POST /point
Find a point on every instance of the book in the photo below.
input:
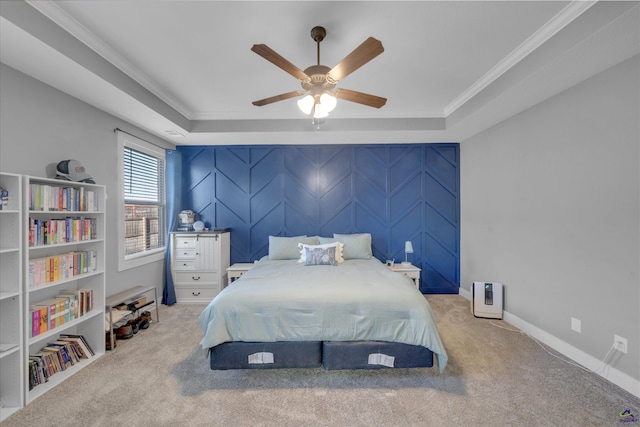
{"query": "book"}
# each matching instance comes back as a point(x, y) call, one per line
point(83, 342)
point(77, 347)
point(69, 349)
point(34, 321)
point(72, 299)
point(57, 357)
point(51, 306)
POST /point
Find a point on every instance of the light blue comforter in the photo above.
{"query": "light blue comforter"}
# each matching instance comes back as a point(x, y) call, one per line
point(353, 301)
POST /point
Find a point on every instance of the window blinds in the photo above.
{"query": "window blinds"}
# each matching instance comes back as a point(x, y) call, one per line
point(144, 201)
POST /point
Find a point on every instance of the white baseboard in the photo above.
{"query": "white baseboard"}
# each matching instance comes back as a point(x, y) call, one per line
point(611, 374)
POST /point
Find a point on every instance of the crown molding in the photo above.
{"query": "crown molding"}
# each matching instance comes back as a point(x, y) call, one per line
point(544, 33)
point(61, 18)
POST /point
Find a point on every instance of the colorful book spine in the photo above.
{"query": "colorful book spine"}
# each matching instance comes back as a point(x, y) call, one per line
point(35, 321)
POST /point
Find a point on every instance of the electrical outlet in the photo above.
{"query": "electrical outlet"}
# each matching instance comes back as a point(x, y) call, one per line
point(576, 325)
point(620, 343)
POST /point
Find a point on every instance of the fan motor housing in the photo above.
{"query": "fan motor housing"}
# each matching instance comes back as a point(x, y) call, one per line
point(318, 78)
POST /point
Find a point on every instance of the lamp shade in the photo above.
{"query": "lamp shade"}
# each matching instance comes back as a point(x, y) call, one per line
point(328, 102)
point(408, 247)
point(318, 106)
point(306, 104)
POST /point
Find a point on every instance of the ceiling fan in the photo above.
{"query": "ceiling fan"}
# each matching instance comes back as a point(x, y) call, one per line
point(319, 81)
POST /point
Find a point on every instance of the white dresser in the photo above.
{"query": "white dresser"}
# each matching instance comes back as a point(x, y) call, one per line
point(199, 261)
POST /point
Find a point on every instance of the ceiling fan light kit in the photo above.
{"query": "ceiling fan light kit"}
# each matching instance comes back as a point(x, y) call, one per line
point(319, 94)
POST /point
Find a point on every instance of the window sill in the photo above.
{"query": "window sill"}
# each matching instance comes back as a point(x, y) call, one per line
point(137, 260)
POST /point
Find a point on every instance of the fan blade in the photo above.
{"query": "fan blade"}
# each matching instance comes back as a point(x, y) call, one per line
point(361, 98)
point(364, 53)
point(277, 98)
point(272, 56)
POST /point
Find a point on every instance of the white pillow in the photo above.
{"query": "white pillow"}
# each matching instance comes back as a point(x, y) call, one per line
point(287, 247)
point(356, 246)
point(339, 247)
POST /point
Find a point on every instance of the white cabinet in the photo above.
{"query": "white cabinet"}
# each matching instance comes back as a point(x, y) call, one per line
point(64, 245)
point(199, 261)
point(11, 317)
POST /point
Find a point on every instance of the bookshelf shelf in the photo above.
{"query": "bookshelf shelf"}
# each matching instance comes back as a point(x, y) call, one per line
point(62, 282)
point(11, 297)
point(60, 377)
point(9, 350)
point(56, 213)
point(62, 329)
point(67, 244)
point(7, 295)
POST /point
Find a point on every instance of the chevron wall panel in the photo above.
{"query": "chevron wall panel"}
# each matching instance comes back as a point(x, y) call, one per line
point(395, 192)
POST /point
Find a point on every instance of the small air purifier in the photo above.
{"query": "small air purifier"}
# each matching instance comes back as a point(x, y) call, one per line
point(486, 300)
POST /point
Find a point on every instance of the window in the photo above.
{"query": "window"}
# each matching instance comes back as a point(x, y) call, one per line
point(142, 205)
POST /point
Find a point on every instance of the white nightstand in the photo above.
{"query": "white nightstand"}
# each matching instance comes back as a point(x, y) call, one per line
point(236, 270)
point(410, 271)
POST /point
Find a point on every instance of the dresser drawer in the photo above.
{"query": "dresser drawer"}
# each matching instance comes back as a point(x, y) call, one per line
point(195, 295)
point(185, 242)
point(192, 279)
point(185, 254)
point(184, 265)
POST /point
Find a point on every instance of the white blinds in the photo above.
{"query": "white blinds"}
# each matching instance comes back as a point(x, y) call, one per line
point(143, 177)
point(144, 181)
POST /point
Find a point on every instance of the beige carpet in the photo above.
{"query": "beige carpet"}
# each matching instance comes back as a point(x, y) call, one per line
point(495, 377)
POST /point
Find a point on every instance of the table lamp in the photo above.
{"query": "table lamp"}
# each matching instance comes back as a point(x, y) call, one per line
point(408, 249)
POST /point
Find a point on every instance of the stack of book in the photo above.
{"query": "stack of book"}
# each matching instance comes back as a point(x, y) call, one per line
point(58, 355)
point(67, 306)
point(61, 230)
point(44, 197)
point(61, 267)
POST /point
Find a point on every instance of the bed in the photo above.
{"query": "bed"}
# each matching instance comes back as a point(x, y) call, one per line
point(313, 306)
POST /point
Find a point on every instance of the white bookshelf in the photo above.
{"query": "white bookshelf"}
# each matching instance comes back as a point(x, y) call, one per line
point(11, 298)
point(49, 286)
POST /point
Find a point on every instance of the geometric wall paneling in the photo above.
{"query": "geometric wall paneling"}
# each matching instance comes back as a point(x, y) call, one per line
point(442, 218)
point(440, 267)
point(395, 192)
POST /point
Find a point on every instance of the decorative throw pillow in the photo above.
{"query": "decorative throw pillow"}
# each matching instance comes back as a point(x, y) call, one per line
point(320, 256)
point(356, 246)
point(287, 247)
point(337, 245)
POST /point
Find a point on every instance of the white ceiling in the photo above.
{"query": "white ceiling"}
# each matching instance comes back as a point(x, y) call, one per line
point(449, 69)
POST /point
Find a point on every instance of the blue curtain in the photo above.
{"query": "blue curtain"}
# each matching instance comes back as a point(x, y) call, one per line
point(173, 162)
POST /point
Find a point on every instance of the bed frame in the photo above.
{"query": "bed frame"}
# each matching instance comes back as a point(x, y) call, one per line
point(313, 354)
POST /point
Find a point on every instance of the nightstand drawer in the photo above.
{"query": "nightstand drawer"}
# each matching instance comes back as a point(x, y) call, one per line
point(207, 279)
point(196, 295)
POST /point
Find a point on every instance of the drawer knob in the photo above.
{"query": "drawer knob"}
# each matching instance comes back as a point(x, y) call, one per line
point(195, 278)
point(195, 294)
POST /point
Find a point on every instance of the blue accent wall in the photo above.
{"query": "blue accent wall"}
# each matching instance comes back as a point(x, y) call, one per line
point(395, 192)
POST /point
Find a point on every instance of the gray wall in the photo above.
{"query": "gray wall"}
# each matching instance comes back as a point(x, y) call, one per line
point(40, 125)
point(550, 208)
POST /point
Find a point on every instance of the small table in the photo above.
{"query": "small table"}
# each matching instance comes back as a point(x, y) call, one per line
point(410, 271)
point(237, 270)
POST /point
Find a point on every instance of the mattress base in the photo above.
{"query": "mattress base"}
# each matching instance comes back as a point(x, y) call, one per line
point(332, 355)
point(266, 355)
point(374, 355)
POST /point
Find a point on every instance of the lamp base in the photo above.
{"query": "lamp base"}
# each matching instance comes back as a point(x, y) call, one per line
point(406, 264)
